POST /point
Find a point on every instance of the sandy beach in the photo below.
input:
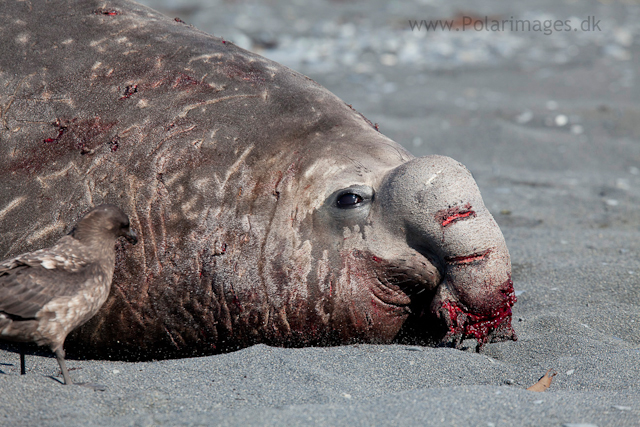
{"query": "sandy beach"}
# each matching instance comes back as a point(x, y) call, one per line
point(549, 125)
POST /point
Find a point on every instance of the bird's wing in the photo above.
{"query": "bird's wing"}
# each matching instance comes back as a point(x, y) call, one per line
point(30, 281)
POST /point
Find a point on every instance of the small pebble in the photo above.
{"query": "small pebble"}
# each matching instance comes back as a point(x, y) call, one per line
point(623, 184)
point(561, 120)
point(570, 371)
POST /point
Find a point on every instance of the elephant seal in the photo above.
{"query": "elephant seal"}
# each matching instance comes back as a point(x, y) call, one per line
point(269, 211)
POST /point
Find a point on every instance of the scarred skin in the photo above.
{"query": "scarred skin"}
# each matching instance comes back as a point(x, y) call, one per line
point(232, 169)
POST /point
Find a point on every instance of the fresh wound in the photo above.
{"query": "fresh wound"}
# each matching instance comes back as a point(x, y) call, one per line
point(446, 217)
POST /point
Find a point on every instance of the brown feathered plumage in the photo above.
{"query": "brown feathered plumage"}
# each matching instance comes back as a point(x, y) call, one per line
point(46, 294)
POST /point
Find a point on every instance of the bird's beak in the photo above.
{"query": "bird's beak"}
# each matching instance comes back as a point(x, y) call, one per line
point(131, 237)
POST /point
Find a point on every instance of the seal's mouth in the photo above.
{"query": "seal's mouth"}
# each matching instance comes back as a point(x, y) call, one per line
point(484, 328)
point(437, 310)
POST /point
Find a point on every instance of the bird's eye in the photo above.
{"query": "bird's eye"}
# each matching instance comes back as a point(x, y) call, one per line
point(349, 200)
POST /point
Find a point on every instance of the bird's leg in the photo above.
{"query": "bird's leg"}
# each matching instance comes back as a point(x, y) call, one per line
point(22, 365)
point(67, 379)
point(63, 367)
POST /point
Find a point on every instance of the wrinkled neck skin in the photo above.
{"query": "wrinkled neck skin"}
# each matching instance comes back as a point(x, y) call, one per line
point(321, 262)
point(314, 283)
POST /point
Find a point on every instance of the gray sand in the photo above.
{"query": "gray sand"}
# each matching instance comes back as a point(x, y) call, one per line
point(550, 127)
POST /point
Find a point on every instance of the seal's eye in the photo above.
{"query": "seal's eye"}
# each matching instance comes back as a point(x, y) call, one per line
point(349, 200)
